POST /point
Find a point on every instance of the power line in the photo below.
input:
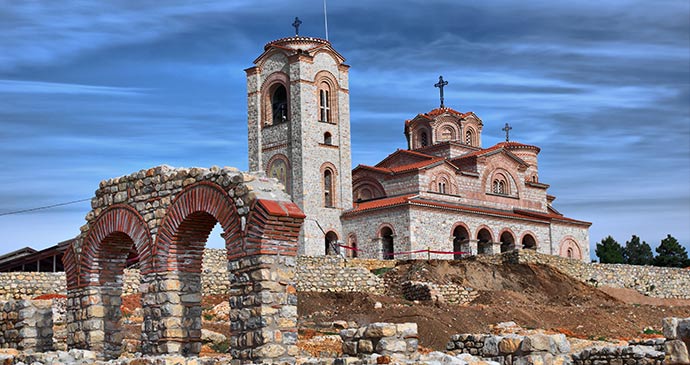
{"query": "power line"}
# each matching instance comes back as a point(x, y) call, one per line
point(44, 207)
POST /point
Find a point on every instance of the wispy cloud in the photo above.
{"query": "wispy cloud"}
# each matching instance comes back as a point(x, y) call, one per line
point(40, 87)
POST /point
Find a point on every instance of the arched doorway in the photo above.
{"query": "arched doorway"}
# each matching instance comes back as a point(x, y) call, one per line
point(507, 242)
point(387, 243)
point(528, 242)
point(331, 243)
point(484, 240)
point(460, 240)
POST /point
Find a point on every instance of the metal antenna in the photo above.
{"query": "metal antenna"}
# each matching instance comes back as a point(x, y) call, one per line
point(325, 18)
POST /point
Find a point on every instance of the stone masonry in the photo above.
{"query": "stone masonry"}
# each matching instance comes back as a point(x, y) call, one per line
point(26, 325)
point(166, 215)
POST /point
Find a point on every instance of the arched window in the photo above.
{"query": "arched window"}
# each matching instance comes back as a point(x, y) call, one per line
point(387, 243)
point(331, 243)
point(569, 253)
point(279, 104)
point(328, 188)
point(327, 138)
point(499, 185)
point(325, 102)
point(442, 187)
point(423, 139)
point(469, 137)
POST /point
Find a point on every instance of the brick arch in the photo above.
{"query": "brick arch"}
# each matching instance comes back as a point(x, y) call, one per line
point(569, 242)
point(524, 236)
point(511, 245)
point(373, 186)
point(443, 176)
point(192, 215)
point(108, 242)
point(446, 125)
point(95, 277)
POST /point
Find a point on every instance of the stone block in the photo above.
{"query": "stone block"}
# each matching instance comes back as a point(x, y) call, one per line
point(676, 352)
point(350, 347)
point(509, 344)
point(670, 328)
point(378, 330)
point(269, 351)
point(538, 342)
point(490, 348)
point(561, 342)
point(389, 345)
point(365, 346)
point(406, 329)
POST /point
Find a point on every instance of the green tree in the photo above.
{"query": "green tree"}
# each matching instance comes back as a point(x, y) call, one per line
point(609, 251)
point(636, 253)
point(671, 254)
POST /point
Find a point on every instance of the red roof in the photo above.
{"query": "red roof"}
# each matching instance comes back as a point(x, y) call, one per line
point(413, 199)
point(439, 111)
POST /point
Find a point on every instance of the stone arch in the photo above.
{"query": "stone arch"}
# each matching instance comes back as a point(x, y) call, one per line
point(387, 237)
point(461, 240)
point(528, 241)
point(507, 239)
point(177, 258)
point(268, 89)
point(569, 248)
point(494, 177)
point(484, 240)
point(98, 275)
point(330, 241)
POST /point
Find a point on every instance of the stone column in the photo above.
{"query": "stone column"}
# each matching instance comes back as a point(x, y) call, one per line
point(263, 308)
point(495, 248)
point(93, 320)
point(26, 325)
point(172, 313)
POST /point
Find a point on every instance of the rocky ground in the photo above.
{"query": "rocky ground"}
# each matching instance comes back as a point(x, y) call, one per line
point(535, 297)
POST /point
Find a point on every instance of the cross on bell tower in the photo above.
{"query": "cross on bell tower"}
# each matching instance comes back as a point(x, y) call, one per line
point(507, 129)
point(296, 24)
point(440, 84)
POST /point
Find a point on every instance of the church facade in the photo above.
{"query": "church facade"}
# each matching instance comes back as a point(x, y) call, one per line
point(445, 196)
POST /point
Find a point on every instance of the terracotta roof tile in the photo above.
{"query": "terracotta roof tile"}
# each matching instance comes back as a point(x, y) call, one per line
point(379, 203)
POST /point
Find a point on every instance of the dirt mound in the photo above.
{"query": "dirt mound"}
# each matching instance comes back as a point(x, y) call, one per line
point(516, 283)
point(533, 296)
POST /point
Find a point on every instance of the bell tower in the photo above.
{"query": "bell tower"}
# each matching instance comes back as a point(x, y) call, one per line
point(299, 131)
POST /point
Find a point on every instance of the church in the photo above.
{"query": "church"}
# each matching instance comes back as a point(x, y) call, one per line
point(444, 197)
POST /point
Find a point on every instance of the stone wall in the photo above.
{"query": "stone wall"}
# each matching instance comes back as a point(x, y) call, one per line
point(383, 338)
point(26, 325)
point(448, 293)
point(660, 282)
point(335, 274)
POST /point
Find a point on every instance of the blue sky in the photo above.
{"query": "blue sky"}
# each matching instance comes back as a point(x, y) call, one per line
point(92, 90)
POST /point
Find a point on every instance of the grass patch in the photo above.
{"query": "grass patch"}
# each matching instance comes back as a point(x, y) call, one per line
point(221, 347)
point(381, 270)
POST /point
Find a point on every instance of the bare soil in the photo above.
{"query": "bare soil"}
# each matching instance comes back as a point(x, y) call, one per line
point(533, 296)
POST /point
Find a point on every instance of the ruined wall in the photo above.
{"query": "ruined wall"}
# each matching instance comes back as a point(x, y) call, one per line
point(660, 282)
point(333, 273)
point(26, 325)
